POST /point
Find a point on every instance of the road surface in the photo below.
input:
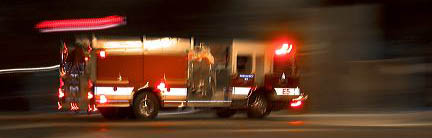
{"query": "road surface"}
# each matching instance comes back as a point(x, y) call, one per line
point(405, 124)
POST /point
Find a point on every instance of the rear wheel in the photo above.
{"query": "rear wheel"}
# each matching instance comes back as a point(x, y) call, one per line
point(146, 106)
point(258, 106)
point(225, 113)
point(113, 112)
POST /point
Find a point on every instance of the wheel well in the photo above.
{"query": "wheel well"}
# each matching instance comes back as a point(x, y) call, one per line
point(262, 90)
point(148, 90)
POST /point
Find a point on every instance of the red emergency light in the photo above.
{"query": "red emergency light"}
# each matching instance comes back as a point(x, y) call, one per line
point(102, 54)
point(296, 104)
point(60, 93)
point(162, 87)
point(80, 24)
point(285, 49)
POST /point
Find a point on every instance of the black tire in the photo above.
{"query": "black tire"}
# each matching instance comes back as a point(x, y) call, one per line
point(145, 106)
point(113, 113)
point(225, 113)
point(258, 106)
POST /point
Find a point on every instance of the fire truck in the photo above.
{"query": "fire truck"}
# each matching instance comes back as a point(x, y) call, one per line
point(139, 76)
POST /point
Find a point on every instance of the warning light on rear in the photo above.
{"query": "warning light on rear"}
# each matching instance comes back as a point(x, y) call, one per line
point(285, 49)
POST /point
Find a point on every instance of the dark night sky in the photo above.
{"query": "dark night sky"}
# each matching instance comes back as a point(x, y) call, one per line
point(24, 46)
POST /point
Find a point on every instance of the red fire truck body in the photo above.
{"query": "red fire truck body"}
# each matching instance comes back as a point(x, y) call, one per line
point(139, 76)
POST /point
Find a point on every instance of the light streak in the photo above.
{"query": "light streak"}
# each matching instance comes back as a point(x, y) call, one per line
point(23, 70)
point(80, 24)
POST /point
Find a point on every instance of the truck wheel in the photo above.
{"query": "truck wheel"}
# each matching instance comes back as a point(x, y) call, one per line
point(258, 106)
point(146, 106)
point(112, 113)
point(225, 113)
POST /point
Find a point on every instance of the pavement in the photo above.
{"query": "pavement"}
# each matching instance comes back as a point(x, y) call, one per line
point(415, 124)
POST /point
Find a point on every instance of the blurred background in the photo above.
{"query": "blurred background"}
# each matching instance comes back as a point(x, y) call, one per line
point(356, 55)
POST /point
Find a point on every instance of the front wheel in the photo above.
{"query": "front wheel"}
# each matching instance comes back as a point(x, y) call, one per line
point(258, 106)
point(145, 106)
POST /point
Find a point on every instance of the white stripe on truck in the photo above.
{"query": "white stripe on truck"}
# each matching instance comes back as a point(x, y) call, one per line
point(110, 90)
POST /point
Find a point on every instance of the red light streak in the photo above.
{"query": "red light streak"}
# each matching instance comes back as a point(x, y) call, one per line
point(90, 84)
point(61, 82)
point(80, 24)
point(296, 123)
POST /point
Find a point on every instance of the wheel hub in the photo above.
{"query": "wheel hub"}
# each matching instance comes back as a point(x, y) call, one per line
point(259, 105)
point(146, 107)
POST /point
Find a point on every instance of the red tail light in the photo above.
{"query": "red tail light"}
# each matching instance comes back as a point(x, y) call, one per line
point(89, 95)
point(61, 82)
point(296, 104)
point(60, 93)
point(90, 84)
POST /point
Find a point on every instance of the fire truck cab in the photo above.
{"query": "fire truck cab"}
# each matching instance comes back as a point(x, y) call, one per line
point(139, 76)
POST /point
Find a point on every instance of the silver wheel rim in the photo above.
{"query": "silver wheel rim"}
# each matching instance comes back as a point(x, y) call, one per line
point(146, 106)
point(259, 105)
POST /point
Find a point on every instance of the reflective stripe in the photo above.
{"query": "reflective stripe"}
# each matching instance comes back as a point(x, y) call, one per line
point(287, 91)
point(37, 69)
point(241, 90)
point(215, 101)
point(110, 90)
point(176, 92)
point(174, 101)
point(114, 101)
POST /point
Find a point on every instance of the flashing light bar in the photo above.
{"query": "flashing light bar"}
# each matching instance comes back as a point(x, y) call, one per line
point(80, 24)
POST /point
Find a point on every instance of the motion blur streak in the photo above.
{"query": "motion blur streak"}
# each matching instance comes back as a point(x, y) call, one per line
point(36, 69)
point(80, 24)
point(78, 28)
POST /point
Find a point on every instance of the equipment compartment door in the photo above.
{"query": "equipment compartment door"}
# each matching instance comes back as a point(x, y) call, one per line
point(209, 75)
